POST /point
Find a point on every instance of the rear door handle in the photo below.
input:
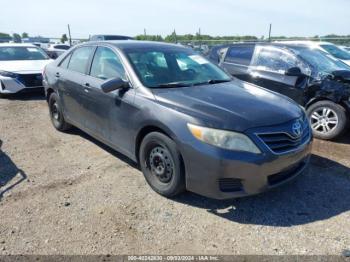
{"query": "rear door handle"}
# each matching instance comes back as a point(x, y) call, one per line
point(87, 87)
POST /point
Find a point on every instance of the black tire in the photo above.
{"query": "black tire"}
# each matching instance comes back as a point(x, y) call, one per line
point(328, 120)
point(161, 164)
point(56, 114)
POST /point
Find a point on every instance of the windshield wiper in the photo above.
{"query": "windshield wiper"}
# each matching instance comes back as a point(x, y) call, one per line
point(217, 81)
point(212, 81)
point(172, 84)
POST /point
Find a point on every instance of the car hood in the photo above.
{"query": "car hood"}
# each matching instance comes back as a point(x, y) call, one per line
point(24, 66)
point(235, 105)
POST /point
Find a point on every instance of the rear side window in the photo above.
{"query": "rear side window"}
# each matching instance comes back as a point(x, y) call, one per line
point(65, 62)
point(80, 59)
point(106, 64)
point(241, 55)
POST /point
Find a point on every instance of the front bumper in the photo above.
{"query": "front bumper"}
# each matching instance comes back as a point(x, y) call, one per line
point(224, 174)
point(9, 85)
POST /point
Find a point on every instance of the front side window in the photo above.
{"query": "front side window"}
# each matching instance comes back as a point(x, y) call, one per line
point(11, 53)
point(241, 55)
point(80, 59)
point(106, 64)
point(275, 59)
point(163, 67)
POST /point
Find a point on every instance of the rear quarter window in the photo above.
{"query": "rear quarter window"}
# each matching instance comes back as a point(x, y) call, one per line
point(241, 55)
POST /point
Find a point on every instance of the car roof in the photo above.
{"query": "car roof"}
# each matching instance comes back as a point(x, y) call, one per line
point(16, 45)
point(305, 43)
point(286, 44)
point(136, 44)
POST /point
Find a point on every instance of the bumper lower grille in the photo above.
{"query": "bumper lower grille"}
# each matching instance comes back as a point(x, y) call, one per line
point(230, 184)
point(31, 80)
point(284, 175)
point(280, 143)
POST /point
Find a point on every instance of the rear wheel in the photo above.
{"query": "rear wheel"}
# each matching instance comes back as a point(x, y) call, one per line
point(161, 164)
point(56, 114)
point(328, 120)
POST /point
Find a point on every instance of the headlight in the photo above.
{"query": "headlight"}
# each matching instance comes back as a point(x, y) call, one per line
point(224, 139)
point(8, 74)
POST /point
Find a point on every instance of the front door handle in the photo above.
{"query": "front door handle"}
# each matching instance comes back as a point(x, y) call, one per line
point(57, 74)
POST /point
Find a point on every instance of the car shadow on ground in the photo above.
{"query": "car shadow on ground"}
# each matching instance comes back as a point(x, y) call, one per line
point(120, 156)
point(10, 175)
point(27, 96)
point(345, 139)
point(319, 194)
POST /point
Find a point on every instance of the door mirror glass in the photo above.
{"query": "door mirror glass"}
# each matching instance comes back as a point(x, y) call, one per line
point(294, 71)
point(114, 84)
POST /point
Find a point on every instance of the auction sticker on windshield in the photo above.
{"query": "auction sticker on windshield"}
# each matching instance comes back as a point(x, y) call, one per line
point(200, 60)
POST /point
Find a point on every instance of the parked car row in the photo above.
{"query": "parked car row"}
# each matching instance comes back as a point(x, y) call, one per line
point(189, 124)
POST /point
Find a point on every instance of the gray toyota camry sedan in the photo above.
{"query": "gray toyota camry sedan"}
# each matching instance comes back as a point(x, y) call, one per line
point(186, 122)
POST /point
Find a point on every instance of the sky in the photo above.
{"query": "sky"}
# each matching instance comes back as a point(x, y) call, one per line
point(214, 17)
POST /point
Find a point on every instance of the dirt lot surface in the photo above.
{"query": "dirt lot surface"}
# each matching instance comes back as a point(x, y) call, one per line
point(66, 193)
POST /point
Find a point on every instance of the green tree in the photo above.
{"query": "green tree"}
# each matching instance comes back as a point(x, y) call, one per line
point(16, 38)
point(25, 35)
point(4, 35)
point(64, 38)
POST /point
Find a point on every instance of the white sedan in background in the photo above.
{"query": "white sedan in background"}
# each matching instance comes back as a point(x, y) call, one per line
point(55, 50)
point(21, 67)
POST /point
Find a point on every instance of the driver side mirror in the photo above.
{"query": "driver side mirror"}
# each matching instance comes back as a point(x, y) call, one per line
point(114, 84)
point(294, 71)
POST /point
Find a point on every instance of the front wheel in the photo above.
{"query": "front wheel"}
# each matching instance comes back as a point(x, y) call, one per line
point(161, 164)
point(328, 120)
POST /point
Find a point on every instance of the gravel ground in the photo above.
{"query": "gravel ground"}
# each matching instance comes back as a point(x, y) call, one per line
point(66, 193)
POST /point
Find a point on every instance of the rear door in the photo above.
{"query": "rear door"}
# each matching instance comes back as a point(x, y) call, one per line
point(71, 89)
point(238, 59)
point(268, 70)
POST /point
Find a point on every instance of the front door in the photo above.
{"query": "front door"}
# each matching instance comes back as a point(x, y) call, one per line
point(269, 68)
point(107, 114)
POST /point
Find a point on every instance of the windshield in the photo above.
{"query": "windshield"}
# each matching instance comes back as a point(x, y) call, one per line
point(336, 52)
point(173, 67)
point(10, 53)
point(319, 61)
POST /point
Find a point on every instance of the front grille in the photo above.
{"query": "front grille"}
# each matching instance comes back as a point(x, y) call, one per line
point(31, 80)
point(284, 175)
point(230, 184)
point(280, 143)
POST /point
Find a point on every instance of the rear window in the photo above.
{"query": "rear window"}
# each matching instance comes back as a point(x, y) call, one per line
point(63, 47)
point(240, 54)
